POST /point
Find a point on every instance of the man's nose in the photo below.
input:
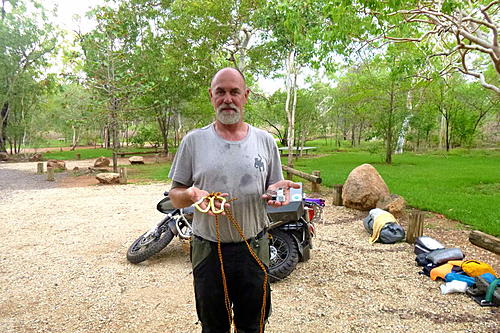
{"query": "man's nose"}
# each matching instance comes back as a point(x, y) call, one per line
point(228, 99)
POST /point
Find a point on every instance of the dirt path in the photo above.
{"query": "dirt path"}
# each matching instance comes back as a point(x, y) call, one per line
point(63, 269)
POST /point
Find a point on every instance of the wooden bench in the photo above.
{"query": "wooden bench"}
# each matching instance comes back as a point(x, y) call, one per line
point(296, 150)
point(123, 154)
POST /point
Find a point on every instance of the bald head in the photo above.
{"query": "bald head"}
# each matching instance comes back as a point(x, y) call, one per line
point(232, 72)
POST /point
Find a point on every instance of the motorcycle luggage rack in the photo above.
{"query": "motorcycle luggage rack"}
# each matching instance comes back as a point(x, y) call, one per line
point(291, 212)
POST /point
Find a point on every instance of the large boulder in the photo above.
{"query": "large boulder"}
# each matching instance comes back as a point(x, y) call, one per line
point(363, 188)
point(102, 162)
point(108, 178)
point(136, 160)
point(56, 164)
point(394, 204)
point(4, 156)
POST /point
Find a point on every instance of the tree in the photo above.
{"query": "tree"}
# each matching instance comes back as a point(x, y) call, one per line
point(466, 32)
point(293, 30)
point(26, 42)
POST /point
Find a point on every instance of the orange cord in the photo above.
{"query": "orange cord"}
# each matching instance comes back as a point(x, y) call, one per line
point(227, 301)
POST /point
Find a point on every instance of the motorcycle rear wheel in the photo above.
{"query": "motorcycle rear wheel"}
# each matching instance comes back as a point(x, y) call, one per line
point(144, 248)
point(284, 255)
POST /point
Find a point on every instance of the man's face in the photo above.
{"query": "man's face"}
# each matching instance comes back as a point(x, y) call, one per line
point(228, 95)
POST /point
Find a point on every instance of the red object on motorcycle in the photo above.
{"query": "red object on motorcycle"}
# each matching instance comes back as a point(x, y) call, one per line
point(310, 213)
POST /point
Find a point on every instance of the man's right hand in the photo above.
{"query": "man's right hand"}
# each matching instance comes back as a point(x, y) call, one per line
point(186, 196)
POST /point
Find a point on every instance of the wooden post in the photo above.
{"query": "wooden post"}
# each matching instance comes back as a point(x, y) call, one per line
point(415, 227)
point(78, 156)
point(314, 185)
point(39, 168)
point(50, 174)
point(123, 175)
point(157, 158)
point(337, 194)
point(488, 242)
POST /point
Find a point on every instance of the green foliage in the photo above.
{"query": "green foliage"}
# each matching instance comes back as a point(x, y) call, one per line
point(146, 134)
point(27, 40)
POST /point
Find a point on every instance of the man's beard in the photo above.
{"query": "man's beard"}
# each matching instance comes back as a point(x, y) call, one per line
point(228, 118)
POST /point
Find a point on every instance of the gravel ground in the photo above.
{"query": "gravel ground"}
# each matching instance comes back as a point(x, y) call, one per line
point(63, 269)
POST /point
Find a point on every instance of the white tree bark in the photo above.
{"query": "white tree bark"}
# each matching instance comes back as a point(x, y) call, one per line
point(468, 30)
point(291, 102)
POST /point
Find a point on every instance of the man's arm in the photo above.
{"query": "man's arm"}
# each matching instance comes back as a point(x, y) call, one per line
point(184, 196)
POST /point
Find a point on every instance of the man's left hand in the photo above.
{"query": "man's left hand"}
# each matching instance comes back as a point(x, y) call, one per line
point(285, 185)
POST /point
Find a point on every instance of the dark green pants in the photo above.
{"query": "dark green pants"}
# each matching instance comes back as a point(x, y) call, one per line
point(244, 281)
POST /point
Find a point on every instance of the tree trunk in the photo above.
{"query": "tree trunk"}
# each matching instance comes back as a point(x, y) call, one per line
point(447, 134)
point(178, 130)
point(114, 131)
point(4, 115)
point(291, 100)
point(353, 135)
point(361, 128)
point(74, 140)
point(388, 149)
point(163, 119)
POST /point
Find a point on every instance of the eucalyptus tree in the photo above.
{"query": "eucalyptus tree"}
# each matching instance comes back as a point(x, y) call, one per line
point(222, 33)
point(464, 32)
point(27, 40)
point(109, 53)
point(293, 29)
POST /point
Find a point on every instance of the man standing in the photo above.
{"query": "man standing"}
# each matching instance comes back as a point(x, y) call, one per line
point(242, 162)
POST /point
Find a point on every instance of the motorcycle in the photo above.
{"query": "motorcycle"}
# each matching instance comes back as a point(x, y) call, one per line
point(291, 231)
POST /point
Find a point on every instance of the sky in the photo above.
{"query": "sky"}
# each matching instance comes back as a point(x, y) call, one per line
point(67, 9)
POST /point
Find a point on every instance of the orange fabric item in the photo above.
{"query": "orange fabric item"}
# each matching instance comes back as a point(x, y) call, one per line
point(444, 269)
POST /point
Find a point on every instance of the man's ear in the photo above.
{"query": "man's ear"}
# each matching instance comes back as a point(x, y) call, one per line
point(210, 93)
point(247, 93)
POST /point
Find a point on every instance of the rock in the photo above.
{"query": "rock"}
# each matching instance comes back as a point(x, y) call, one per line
point(102, 162)
point(56, 164)
point(136, 160)
point(76, 168)
point(108, 178)
point(394, 204)
point(363, 188)
point(4, 156)
point(36, 157)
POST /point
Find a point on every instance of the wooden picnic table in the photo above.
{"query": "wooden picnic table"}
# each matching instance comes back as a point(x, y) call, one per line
point(297, 150)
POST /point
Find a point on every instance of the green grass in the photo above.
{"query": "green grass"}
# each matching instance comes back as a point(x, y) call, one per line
point(464, 187)
point(148, 172)
point(84, 153)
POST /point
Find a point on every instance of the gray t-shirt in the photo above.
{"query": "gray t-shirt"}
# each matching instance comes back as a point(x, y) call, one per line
point(244, 169)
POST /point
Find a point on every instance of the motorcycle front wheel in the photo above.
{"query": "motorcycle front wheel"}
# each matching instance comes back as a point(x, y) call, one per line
point(284, 255)
point(146, 246)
